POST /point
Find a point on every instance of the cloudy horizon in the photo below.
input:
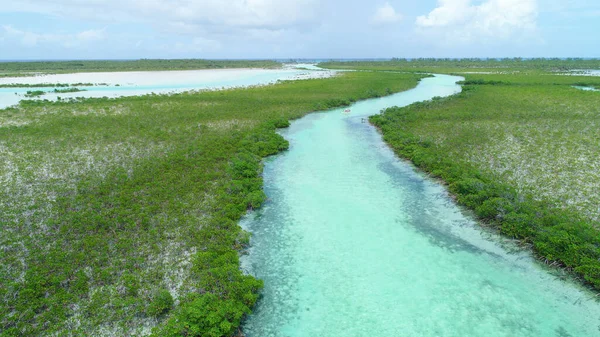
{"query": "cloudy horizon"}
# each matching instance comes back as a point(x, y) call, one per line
point(314, 29)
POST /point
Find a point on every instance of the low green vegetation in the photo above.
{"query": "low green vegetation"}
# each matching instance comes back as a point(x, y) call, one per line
point(66, 91)
point(9, 69)
point(522, 152)
point(51, 85)
point(119, 216)
point(38, 93)
point(462, 66)
point(34, 93)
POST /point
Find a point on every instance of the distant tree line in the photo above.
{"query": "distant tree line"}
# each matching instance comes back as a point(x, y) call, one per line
point(518, 63)
point(130, 65)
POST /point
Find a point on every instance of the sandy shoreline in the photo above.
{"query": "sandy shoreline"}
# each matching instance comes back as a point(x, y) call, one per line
point(137, 83)
point(149, 77)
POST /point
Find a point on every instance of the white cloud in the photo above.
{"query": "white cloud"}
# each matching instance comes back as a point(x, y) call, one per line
point(26, 38)
point(92, 35)
point(195, 47)
point(463, 21)
point(570, 7)
point(386, 14)
point(201, 44)
point(216, 23)
point(32, 39)
point(264, 14)
point(266, 34)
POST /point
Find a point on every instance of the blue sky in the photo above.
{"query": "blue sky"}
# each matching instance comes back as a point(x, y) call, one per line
point(118, 29)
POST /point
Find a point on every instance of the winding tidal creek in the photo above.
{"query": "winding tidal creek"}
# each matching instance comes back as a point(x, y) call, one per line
point(355, 242)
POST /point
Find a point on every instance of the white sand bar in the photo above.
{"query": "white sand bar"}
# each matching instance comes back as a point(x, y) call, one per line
point(144, 82)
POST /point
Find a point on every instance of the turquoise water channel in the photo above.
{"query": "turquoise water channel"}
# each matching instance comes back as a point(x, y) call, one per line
point(585, 88)
point(355, 242)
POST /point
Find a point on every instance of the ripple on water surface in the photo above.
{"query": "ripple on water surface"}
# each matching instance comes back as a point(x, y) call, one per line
point(353, 242)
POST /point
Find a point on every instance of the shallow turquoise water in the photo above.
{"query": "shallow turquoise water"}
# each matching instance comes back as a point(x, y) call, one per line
point(585, 88)
point(158, 82)
point(354, 242)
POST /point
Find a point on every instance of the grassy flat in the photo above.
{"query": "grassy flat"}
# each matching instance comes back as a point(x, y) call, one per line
point(120, 215)
point(521, 151)
point(469, 66)
point(10, 69)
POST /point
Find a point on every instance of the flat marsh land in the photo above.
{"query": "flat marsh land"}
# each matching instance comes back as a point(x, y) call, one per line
point(518, 146)
point(10, 69)
point(119, 216)
point(466, 66)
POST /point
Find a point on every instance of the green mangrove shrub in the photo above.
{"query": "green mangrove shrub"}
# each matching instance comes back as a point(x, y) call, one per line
point(558, 236)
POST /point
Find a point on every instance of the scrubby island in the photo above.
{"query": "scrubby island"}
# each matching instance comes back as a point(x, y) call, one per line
point(68, 90)
point(121, 214)
point(521, 150)
point(38, 93)
point(34, 93)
